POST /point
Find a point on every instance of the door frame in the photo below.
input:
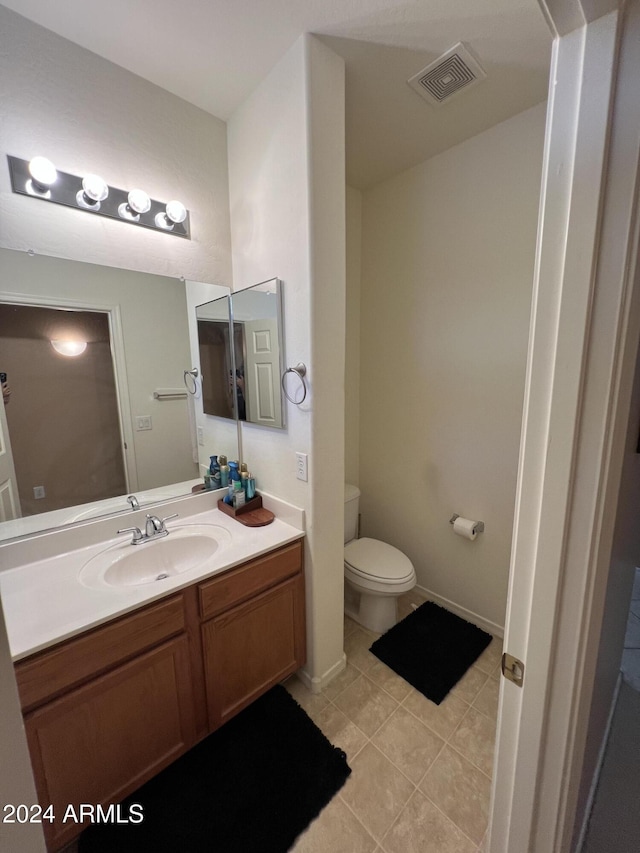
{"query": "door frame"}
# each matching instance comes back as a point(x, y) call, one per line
point(119, 366)
point(584, 337)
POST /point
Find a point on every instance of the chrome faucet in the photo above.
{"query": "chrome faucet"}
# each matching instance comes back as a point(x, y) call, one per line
point(133, 500)
point(154, 529)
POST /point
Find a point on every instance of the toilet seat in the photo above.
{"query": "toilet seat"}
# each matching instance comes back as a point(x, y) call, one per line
point(370, 562)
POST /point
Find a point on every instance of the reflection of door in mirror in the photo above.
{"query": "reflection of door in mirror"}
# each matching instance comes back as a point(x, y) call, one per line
point(9, 503)
point(63, 406)
point(262, 372)
point(216, 366)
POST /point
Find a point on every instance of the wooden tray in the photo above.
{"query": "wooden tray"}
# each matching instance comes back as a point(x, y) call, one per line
point(251, 514)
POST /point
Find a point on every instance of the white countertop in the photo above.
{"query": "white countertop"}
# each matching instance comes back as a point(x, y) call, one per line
point(44, 602)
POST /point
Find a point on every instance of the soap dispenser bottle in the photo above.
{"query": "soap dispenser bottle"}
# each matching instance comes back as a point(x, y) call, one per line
point(224, 472)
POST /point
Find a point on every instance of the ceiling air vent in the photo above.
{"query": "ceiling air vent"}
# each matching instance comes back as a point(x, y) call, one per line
point(450, 74)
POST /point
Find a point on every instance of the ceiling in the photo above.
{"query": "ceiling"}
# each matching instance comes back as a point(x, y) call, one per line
point(213, 53)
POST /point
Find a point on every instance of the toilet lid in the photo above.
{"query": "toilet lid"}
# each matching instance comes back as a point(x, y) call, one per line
point(378, 560)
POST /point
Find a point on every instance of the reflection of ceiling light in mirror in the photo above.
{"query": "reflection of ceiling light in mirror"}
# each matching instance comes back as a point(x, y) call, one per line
point(69, 348)
point(94, 190)
point(137, 202)
point(174, 213)
point(43, 174)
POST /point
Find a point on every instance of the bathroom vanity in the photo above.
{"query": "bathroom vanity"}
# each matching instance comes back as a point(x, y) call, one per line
point(109, 707)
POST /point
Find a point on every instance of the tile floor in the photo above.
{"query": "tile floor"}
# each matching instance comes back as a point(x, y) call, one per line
point(421, 773)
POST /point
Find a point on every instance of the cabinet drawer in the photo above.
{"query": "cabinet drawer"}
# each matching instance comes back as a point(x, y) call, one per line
point(48, 673)
point(236, 585)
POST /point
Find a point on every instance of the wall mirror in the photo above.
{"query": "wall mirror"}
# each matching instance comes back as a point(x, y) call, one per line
point(81, 432)
point(251, 369)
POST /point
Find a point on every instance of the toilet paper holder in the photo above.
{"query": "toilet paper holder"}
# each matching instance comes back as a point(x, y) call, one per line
point(479, 526)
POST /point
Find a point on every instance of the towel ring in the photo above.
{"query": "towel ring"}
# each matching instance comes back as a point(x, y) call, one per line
point(194, 375)
point(300, 371)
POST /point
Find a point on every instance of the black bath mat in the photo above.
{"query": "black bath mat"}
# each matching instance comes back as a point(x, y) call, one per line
point(431, 649)
point(251, 787)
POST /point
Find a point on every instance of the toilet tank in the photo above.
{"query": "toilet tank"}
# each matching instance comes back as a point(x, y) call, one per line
point(351, 508)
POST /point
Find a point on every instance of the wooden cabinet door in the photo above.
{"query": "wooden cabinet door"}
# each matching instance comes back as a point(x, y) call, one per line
point(252, 647)
point(100, 742)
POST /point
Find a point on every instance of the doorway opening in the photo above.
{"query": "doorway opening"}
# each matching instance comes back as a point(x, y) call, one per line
point(63, 415)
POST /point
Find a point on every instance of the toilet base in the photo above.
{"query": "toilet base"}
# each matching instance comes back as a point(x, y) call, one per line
point(375, 612)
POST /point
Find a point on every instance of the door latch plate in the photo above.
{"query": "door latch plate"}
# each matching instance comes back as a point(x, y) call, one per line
point(513, 669)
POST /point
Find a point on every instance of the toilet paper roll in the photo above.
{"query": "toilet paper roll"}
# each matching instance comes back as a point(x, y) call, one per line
point(465, 527)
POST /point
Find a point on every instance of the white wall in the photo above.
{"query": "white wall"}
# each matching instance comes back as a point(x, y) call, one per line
point(16, 781)
point(287, 221)
point(447, 267)
point(352, 343)
point(88, 115)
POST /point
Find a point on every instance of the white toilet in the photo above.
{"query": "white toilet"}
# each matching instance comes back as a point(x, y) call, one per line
point(375, 573)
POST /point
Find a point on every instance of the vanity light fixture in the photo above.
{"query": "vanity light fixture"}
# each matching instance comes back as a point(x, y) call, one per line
point(69, 348)
point(39, 178)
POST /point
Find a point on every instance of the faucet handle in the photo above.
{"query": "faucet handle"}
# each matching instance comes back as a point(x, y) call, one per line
point(155, 525)
point(138, 536)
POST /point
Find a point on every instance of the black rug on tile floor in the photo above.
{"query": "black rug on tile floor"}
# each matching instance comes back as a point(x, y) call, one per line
point(251, 787)
point(431, 649)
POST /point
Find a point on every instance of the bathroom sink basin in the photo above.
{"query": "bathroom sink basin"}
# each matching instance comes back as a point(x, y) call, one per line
point(186, 548)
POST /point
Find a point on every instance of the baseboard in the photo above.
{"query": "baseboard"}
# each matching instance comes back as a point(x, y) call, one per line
point(462, 612)
point(317, 683)
point(596, 775)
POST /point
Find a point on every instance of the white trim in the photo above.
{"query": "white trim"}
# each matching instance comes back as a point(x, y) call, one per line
point(596, 775)
point(468, 615)
point(316, 684)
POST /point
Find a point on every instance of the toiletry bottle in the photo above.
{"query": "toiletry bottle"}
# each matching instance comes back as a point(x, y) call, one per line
point(228, 498)
point(234, 473)
point(243, 467)
point(250, 487)
point(224, 472)
point(238, 494)
point(214, 468)
point(244, 476)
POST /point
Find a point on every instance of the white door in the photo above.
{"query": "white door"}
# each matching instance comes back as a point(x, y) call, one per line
point(584, 339)
point(9, 500)
point(262, 372)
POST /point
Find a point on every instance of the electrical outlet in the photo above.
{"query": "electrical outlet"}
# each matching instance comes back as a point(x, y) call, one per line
point(302, 471)
point(143, 422)
point(200, 433)
point(38, 492)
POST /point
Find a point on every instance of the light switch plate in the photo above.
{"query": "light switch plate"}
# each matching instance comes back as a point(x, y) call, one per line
point(143, 422)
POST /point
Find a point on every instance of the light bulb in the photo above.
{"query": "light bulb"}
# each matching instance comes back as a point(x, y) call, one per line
point(176, 211)
point(94, 191)
point(43, 173)
point(95, 188)
point(69, 348)
point(139, 201)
